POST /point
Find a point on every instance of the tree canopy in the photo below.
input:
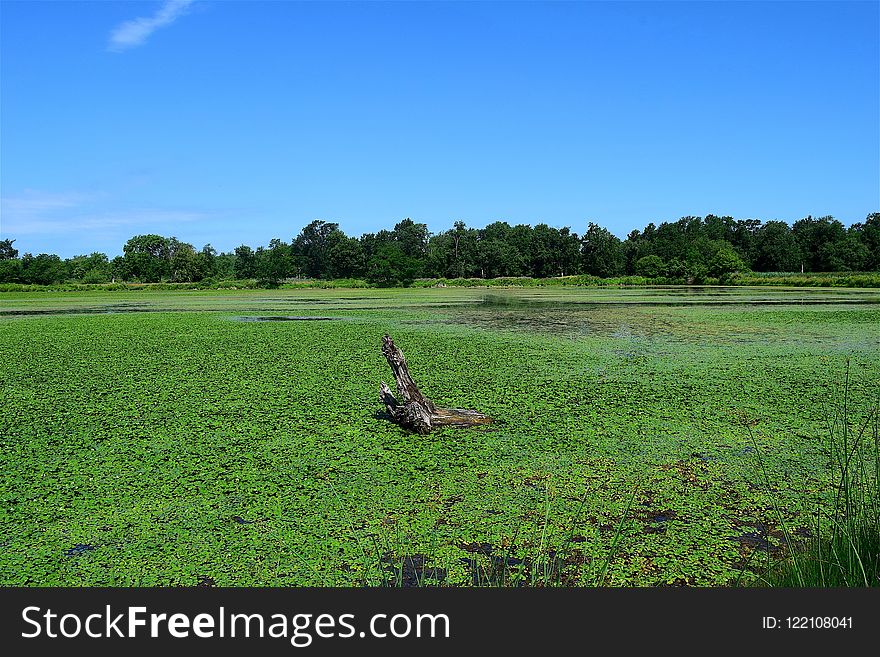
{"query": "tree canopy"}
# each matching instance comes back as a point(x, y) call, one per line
point(687, 250)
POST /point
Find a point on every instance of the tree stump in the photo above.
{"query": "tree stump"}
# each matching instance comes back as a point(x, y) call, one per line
point(416, 412)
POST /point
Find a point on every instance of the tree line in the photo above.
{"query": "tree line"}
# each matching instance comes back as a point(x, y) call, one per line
point(690, 249)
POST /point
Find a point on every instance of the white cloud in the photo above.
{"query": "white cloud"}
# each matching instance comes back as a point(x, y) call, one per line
point(133, 33)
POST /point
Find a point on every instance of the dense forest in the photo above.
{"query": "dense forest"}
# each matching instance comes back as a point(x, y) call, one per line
point(691, 249)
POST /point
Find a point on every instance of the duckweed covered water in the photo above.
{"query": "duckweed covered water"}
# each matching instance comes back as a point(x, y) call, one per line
point(158, 442)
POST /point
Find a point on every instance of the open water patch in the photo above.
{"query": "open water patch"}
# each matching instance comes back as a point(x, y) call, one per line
point(78, 549)
point(673, 302)
point(283, 318)
point(111, 309)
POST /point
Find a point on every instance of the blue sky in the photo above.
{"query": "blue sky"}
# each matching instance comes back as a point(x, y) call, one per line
point(237, 122)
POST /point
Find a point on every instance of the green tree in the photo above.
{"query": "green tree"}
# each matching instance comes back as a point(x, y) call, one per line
point(275, 263)
point(10, 270)
point(245, 263)
point(635, 247)
point(185, 264)
point(453, 253)
point(439, 256)
point(568, 247)
point(464, 251)
point(497, 252)
point(94, 268)
point(148, 258)
point(544, 253)
point(345, 256)
point(601, 252)
point(119, 269)
point(718, 228)
point(206, 262)
point(774, 248)
point(726, 261)
point(390, 266)
point(313, 245)
point(743, 235)
point(43, 269)
point(848, 254)
point(412, 238)
point(869, 235)
point(818, 241)
point(678, 270)
point(224, 266)
point(650, 266)
point(520, 240)
point(7, 252)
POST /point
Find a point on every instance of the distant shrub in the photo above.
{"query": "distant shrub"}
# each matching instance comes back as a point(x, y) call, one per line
point(829, 279)
point(674, 276)
point(348, 283)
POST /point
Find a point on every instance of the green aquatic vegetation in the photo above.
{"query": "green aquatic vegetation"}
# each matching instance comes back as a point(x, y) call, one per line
point(152, 439)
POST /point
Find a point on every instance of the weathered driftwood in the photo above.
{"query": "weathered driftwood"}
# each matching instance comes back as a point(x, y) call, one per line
point(415, 411)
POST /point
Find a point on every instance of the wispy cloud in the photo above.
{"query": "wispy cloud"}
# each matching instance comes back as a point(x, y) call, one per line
point(139, 219)
point(134, 33)
point(36, 213)
point(32, 202)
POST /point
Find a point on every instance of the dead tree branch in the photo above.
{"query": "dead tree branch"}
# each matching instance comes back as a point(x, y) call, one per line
point(414, 411)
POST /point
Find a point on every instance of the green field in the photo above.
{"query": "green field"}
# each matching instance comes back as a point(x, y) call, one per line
point(156, 438)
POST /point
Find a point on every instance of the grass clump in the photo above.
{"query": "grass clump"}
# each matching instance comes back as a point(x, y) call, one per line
point(848, 554)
